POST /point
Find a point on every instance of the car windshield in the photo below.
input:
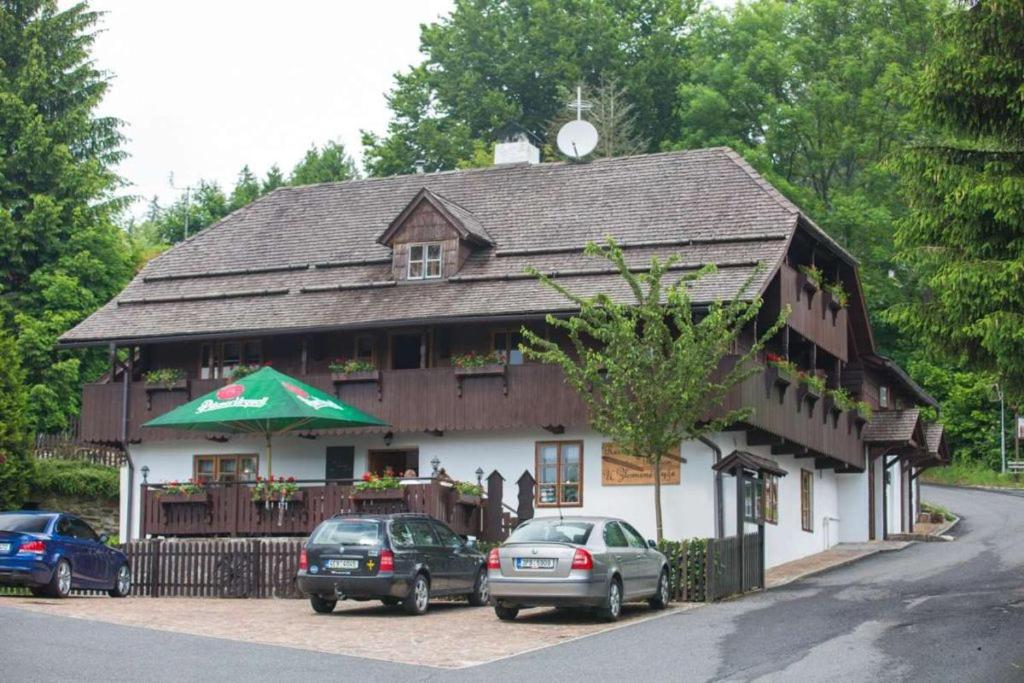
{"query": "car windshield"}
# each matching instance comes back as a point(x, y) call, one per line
point(552, 531)
point(31, 524)
point(347, 532)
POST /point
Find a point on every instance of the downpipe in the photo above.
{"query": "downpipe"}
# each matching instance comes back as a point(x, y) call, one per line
point(719, 497)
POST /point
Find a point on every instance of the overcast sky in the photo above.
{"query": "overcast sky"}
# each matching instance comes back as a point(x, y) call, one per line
point(205, 87)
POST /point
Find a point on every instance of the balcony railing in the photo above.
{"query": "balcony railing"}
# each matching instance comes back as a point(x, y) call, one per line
point(811, 314)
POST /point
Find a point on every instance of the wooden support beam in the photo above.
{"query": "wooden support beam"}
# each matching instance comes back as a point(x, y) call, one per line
point(789, 448)
point(759, 437)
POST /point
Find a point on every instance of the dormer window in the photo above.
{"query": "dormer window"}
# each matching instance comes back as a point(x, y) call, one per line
point(425, 261)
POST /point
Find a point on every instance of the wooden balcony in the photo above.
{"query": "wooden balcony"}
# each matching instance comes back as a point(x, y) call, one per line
point(228, 509)
point(526, 396)
point(812, 316)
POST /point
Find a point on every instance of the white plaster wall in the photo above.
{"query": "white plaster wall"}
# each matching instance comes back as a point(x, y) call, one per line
point(879, 484)
point(894, 499)
point(852, 490)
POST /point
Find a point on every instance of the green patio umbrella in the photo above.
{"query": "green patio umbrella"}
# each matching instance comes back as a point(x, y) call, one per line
point(266, 402)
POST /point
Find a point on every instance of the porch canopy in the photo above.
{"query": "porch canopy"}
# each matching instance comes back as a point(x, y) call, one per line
point(266, 402)
point(750, 462)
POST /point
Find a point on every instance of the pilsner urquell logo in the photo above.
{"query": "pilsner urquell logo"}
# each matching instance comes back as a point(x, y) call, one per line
point(314, 403)
point(231, 397)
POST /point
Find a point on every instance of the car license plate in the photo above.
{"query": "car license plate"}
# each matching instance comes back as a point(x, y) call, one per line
point(535, 563)
point(343, 564)
point(5, 548)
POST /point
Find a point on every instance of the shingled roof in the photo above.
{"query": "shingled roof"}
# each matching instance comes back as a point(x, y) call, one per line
point(305, 258)
point(892, 426)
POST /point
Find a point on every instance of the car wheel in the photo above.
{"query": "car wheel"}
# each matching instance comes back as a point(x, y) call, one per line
point(322, 605)
point(419, 596)
point(612, 607)
point(60, 583)
point(390, 602)
point(122, 583)
point(481, 590)
point(661, 596)
point(506, 613)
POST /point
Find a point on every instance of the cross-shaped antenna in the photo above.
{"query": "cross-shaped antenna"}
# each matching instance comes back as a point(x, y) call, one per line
point(580, 105)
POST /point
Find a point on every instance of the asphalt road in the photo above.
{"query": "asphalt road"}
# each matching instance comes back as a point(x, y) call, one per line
point(931, 612)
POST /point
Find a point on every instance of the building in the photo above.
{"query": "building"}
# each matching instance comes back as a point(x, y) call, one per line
point(408, 273)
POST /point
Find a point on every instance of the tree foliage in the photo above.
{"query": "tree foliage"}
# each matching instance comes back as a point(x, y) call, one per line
point(964, 185)
point(15, 442)
point(650, 369)
point(62, 255)
point(495, 62)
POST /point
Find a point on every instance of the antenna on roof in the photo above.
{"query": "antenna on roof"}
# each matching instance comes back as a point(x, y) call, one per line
point(578, 138)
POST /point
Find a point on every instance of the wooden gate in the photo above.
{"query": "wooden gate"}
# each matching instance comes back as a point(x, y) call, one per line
point(735, 565)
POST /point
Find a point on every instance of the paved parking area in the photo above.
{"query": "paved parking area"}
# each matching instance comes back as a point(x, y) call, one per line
point(450, 635)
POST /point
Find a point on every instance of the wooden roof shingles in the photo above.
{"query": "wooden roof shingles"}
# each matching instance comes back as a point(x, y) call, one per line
point(307, 257)
point(892, 426)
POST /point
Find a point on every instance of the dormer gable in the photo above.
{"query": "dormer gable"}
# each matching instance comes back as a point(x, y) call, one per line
point(432, 237)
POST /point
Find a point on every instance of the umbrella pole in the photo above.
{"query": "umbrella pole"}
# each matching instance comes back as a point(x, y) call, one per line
point(270, 458)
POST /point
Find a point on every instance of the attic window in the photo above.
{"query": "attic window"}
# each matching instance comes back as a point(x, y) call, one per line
point(424, 261)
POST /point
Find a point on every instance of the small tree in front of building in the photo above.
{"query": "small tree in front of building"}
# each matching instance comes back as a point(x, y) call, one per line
point(652, 369)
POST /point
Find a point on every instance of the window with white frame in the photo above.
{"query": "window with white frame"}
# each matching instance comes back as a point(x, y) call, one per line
point(424, 261)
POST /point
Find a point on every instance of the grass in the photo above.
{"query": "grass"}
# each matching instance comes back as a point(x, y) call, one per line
point(959, 474)
point(932, 508)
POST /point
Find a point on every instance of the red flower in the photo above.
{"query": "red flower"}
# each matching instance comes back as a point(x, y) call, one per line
point(367, 476)
point(774, 358)
point(291, 480)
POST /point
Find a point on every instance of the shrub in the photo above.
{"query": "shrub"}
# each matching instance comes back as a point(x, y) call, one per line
point(74, 478)
point(692, 575)
point(346, 367)
point(166, 377)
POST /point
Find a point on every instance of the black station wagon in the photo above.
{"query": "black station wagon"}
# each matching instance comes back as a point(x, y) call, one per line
point(397, 558)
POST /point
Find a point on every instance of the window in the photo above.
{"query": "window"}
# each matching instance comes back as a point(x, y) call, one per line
point(224, 468)
point(28, 523)
point(552, 530)
point(220, 359)
point(559, 473)
point(422, 534)
point(614, 536)
point(753, 500)
point(401, 535)
point(883, 397)
point(506, 343)
point(347, 532)
point(807, 500)
point(635, 538)
point(771, 499)
point(447, 536)
point(424, 261)
point(365, 348)
point(82, 531)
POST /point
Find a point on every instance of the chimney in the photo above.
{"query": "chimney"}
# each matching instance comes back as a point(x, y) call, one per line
point(420, 165)
point(516, 150)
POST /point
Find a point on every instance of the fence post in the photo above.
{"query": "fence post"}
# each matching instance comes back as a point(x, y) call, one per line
point(709, 571)
point(154, 567)
point(740, 525)
point(492, 510)
point(526, 484)
point(683, 569)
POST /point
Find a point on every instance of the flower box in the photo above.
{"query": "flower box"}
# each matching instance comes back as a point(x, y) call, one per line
point(177, 385)
point(805, 284)
point(468, 499)
point(355, 377)
point(489, 370)
point(776, 378)
point(202, 498)
point(379, 494)
point(296, 497)
point(808, 394)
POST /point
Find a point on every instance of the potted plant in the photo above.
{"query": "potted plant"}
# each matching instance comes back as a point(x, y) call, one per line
point(167, 379)
point(353, 370)
point(240, 371)
point(279, 491)
point(468, 494)
point(181, 493)
point(811, 389)
point(838, 298)
point(373, 487)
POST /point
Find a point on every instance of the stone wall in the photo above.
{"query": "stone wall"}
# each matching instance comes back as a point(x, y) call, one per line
point(102, 515)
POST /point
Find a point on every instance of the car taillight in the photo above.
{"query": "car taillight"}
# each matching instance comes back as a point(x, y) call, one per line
point(387, 561)
point(493, 559)
point(303, 559)
point(37, 547)
point(582, 560)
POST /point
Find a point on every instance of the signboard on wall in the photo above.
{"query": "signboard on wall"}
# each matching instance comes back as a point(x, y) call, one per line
point(1020, 428)
point(624, 470)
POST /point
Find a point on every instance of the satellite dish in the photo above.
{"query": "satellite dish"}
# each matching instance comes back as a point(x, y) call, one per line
point(577, 139)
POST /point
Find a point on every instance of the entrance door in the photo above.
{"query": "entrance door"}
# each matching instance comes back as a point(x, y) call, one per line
point(340, 462)
point(399, 460)
point(407, 351)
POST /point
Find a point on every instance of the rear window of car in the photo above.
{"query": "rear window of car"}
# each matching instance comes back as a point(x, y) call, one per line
point(552, 531)
point(30, 524)
point(347, 532)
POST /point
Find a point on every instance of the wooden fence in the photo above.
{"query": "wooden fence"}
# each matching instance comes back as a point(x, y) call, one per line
point(67, 446)
point(733, 568)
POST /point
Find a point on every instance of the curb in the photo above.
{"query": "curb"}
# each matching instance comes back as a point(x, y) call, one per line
point(844, 563)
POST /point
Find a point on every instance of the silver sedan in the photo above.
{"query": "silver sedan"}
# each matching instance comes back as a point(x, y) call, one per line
point(596, 562)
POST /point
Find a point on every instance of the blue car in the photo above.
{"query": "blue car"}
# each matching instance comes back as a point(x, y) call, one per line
point(51, 553)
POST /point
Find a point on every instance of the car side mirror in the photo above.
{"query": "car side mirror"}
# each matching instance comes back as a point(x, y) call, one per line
point(104, 538)
point(470, 541)
point(651, 543)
